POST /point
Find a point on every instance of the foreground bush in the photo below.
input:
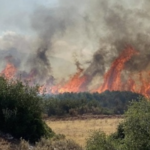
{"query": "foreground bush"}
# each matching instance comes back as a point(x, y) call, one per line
point(45, 144)
point(21, 111)
point(132, 134)
point(98, 141)
point(137, 126)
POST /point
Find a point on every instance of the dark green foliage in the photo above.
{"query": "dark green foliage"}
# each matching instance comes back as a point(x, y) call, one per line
point(98, 141)
point(21, 111)
point(89, 103)
point(120, 132)
point(132, 134)
point(137, 126)
point(117, 138)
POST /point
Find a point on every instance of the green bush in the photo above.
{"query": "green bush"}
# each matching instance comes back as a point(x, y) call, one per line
point(117, 138)
point(132, 134)
point(21, 111)
point(137, 126)
point(98, 141)
point(107, 103)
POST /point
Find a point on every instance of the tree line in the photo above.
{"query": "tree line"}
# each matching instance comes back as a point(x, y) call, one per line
point(106, 103)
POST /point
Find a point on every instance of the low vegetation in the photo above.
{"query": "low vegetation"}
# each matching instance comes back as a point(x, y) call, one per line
point(79, 129)
point(45, 144)
point(73, 104)
point(132, 134)
point(21, 109)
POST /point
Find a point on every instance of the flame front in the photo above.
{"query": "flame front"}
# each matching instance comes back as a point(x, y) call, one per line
point(135, 82)
point(142, 84)
point(138, 82)
point(9, 71)
point(112, 78)
point(73, 85)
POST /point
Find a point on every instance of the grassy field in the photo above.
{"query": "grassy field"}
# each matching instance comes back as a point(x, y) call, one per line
point(79, 130)
point(76, 129)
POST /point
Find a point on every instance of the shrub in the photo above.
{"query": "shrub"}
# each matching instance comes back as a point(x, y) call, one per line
point(117, 138)
point(98, 141)
point(137, 126)
point(21, 111)
point(46, 144)
point(134, 132)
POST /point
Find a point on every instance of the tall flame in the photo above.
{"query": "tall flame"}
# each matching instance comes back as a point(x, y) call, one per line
point(112, 78)
point(135, 82)
point(144, 78)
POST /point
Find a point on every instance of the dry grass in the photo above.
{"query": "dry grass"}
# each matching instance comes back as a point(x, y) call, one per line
point(4, 145)
point(78, 130)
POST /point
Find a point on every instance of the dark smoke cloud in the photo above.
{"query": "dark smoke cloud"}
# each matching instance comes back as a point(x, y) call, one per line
point(102, 27)
point(123, 26)
point(48, 23)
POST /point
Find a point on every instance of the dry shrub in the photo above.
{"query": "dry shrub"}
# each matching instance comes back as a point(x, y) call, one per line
point(46, 144)
point(4, 145)
point(24, 145)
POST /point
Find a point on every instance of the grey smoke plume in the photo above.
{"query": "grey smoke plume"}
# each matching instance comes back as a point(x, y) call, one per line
point(121, 25)
point(103, 28)
point(48, 23)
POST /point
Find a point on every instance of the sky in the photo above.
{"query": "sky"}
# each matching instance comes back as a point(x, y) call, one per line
point(15, 14)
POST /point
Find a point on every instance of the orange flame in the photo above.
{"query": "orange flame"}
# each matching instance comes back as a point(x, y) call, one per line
point(112, 78)
point(139, 83)
point(9, 71)
point(144, 79)
point(73, 85)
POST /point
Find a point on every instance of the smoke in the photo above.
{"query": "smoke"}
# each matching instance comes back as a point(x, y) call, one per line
point(97, 29)
point(48, 24)
point(118, 25)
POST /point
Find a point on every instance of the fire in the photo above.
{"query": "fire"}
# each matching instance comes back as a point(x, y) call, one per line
point(144, 79)
point(9, 71)
point(31, 76)
point(112, 78)
point(73, 85)
point(139, 83)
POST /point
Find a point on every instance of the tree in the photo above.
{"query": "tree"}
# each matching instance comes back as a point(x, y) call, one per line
point(132, 134)
point(21, 111)
point(98, 141)
point(137, 126)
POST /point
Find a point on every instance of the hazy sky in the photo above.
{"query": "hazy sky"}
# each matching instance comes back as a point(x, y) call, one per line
point(15, 14)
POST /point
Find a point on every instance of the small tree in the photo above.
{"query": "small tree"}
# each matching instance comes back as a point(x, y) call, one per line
point(137, 126)
point(21, 111)
point(132, 134)
point(98, 141)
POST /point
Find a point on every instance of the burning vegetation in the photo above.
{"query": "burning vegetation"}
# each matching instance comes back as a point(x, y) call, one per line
point(109, 26)
point(114, 79)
